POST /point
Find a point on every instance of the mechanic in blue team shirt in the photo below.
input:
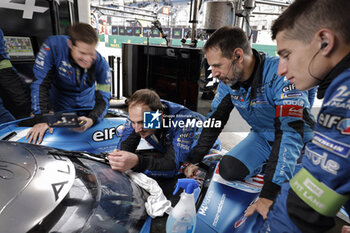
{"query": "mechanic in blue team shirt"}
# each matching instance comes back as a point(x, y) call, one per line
point(14, 91)
point(313, 41)
point(278, 114)
point(172, 139)
point(5, 115)
point(70, 74)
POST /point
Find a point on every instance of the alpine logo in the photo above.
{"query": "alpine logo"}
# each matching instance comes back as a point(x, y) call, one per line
point(289, 110)
point(28, 7)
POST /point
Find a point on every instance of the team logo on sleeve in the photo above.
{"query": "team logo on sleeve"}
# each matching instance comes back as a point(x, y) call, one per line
point(289, 111)
point(344, 126)
point(151, 120)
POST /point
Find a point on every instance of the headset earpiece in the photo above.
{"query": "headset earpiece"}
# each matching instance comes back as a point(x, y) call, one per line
point(324, 45)
point(238, 57)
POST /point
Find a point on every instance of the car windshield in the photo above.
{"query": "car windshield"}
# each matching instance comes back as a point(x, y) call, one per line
point(100, 200)
point(45, 192)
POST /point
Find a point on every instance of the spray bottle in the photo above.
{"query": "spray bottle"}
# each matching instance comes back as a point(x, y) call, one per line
point(182, 218)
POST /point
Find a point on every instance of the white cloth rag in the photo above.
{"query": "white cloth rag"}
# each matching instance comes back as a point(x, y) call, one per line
point(157, 204)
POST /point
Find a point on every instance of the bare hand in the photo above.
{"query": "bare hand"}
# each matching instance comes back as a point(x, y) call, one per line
point(262, 206)
point(191, 171)
point(88, 124)
point(122, 161)
point(345, 229)
point(36, 133)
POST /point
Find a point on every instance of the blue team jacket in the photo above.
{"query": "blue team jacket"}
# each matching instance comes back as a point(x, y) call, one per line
point(69, 87)
point(273, 108)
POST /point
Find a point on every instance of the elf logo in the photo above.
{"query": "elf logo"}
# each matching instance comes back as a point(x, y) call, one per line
point(28, 7)
point(108, 134)
point(328, 120)
point(290, 87)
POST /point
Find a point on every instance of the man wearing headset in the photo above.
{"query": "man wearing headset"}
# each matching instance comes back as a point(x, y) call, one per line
point(313, 42)
point(278, 114)
point(70, 74)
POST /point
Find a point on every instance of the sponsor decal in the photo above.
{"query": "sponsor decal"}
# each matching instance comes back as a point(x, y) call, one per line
point(218, 213)
point(338, 148)
point(258, 101)
point(289, 110)
point(65, 64)
point(62, 69)
point(291, 95)
point(108, 133)
point(186, 135)
point(40, 59)
point(344, 126)
point(328, 120)
point(290, 87)
point(260, 90)
point(205, 204)
point(293, 102)
point(63, 167)
point(240, 221)
point(184, 140)
point(235, 97)
point(327, 165)
point(182, 146)
point(341, 99)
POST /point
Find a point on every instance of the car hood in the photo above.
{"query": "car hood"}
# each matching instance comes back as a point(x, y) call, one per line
point(31, 181)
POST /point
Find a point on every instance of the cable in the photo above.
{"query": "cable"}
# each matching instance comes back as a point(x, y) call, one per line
point(309, 66)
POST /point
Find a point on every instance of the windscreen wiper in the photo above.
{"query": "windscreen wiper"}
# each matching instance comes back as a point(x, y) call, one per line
point(102, 157)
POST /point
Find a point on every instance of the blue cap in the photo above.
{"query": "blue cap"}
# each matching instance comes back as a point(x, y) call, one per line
point(188, 184)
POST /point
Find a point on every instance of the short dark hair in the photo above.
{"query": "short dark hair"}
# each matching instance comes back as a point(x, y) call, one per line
point(82, 32)
point(228, 39)
point(146, 97)
point(303, 18)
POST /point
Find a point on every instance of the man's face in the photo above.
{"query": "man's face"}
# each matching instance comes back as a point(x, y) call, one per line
point(136, 118)
point(297, 62)
point(83, 54)
point(223, 68)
